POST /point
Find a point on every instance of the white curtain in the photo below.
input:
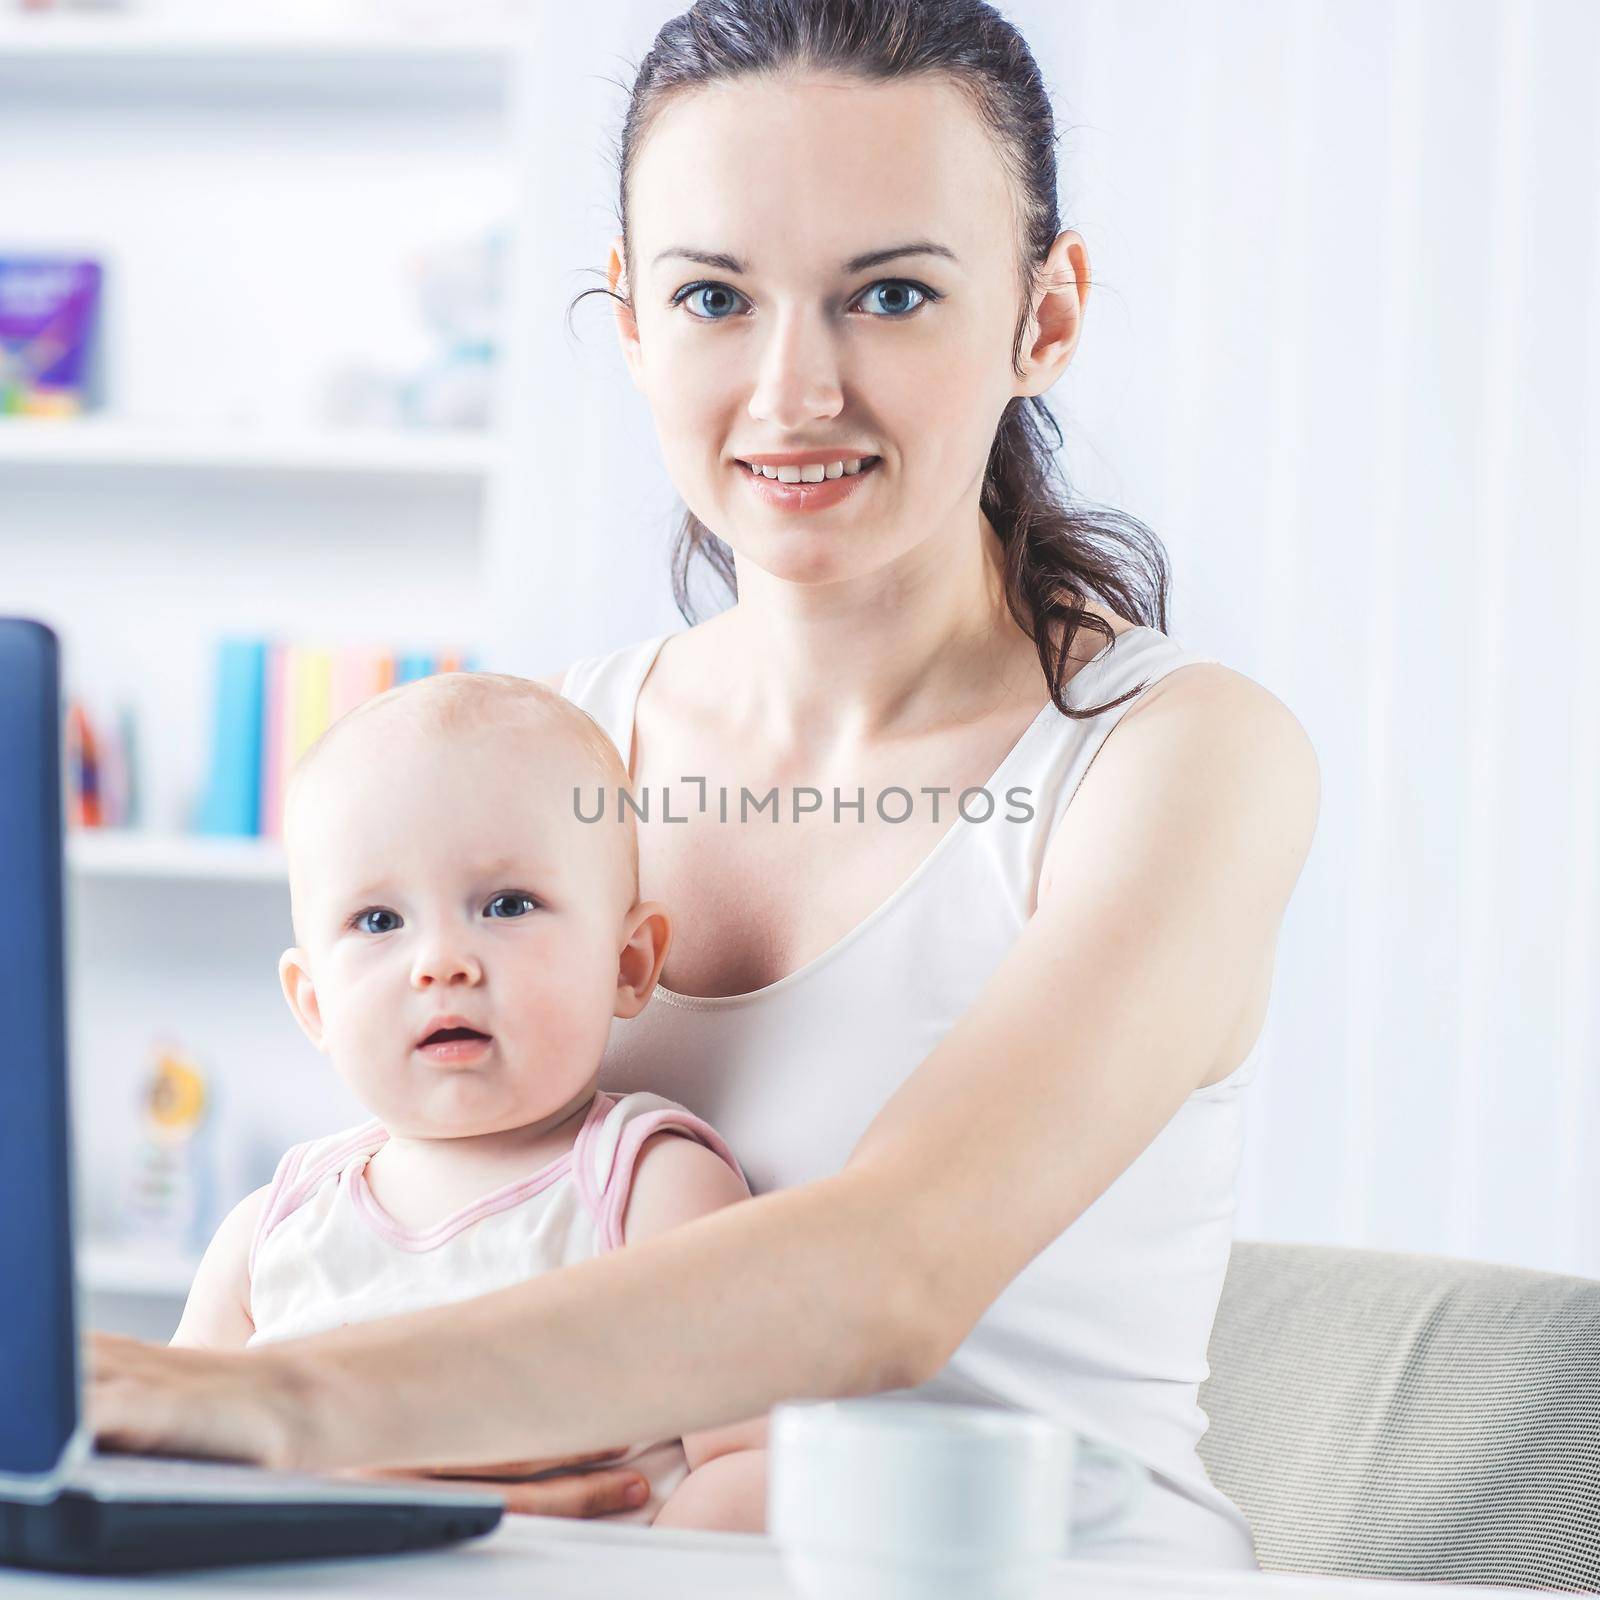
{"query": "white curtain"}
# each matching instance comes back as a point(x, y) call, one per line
point(1345, 359)
point(1343, 355)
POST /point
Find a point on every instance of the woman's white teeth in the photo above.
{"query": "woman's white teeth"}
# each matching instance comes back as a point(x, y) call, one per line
point(815, 473)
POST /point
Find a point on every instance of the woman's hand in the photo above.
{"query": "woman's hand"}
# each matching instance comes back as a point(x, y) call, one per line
point(176, 1401)
point(242, 1406)
point(538, 1488)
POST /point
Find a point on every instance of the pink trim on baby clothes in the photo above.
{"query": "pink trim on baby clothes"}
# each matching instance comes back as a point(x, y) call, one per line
point(291, 1187)
point(510, 1194)
point(617, 1184)
point(590, 1195)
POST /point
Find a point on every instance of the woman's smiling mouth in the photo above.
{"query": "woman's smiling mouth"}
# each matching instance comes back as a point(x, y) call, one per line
point(812, 486)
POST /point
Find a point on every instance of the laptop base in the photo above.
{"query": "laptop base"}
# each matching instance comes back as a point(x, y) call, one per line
point(76, 1532)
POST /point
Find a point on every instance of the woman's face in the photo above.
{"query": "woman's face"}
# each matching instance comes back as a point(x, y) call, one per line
point(785, 346)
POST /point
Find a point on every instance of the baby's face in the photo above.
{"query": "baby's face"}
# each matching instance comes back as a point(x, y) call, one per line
point(443, 881)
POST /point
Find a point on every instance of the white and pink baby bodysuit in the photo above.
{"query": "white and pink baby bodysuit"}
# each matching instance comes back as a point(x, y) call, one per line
point(325, 1253)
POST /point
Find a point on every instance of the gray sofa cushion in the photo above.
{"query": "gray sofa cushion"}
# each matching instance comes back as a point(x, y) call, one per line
point(1406, 1416)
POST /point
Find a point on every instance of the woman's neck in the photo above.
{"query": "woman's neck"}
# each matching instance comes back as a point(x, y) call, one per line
point(924, 643)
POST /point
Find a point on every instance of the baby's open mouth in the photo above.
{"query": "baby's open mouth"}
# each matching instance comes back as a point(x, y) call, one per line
point(446, 1035)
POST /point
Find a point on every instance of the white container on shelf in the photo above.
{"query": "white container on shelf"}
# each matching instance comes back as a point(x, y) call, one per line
point(104, 443)
point(124, 1268)
point(131, 853)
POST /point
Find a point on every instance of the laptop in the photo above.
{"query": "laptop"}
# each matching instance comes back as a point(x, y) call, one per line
point(62, 1506)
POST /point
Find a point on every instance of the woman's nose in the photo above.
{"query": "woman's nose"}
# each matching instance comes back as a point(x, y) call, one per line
point(798, 380)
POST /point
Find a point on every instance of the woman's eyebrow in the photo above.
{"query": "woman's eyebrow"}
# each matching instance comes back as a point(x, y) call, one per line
point(872, 258)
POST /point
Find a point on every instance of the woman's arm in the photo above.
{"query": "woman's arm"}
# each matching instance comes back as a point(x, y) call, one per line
point(1164, 901)
point(676, 1181)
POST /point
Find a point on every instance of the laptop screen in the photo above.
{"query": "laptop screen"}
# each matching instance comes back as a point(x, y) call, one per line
point(38, 1366)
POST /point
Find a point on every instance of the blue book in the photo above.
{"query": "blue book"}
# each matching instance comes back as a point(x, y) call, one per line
point(232, 803)
point(409, 668)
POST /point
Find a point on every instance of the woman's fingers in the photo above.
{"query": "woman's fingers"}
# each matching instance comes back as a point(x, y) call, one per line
point(525, 1469)
point(587, 1494)
point(491, 1471)
point(179, 1401)
point(575, 1494)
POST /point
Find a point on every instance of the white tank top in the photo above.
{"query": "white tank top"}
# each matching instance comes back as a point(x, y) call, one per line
point(326, 1253)
point(1106, 1328)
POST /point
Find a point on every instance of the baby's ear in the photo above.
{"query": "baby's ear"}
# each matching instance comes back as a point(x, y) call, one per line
point(294, 973)
point(649, 932)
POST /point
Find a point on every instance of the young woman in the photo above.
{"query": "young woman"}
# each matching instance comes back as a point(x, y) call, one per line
point(977, 1018)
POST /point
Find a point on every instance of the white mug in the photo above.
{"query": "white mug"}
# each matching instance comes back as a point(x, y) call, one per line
point(879, 1499)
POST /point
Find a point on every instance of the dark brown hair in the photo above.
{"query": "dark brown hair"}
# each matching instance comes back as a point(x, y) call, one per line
point(1056, 549)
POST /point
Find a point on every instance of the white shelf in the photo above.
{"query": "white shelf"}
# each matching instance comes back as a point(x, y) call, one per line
point(112, 1267)
point(99, 60)
point(92, 443)
point(134, 38)
point(130, 853)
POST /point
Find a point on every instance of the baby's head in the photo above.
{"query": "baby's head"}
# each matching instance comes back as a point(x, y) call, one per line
point(438, 870)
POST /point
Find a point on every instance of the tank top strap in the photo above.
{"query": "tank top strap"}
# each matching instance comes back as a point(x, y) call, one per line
point(607, 686)
point(608, 1148)
point(1136, 660)
point(304, 1167)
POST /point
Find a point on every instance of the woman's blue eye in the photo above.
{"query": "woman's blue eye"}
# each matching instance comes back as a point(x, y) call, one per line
point(922, 293)
point(518, 902)
point(703, 288)
point(363, 920)
point(901, 284)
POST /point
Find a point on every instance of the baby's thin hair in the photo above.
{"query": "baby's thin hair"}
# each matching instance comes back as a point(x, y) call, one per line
point(463, 702)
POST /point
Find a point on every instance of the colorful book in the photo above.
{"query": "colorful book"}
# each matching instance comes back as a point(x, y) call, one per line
point(83, 770)
point(49, 307)
point(312, 677)
point(275, 740)
point(359, 672)
point(232, 800)
point(303, 690)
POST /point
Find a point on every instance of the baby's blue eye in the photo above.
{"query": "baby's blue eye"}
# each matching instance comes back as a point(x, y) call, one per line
point(517, 904)
point(364, 920)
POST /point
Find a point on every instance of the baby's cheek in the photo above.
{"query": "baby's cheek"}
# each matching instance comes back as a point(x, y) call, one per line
point(366, 1050)
point(561, 1020)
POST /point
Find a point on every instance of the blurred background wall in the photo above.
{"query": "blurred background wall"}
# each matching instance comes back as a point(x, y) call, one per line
point(1343, 355)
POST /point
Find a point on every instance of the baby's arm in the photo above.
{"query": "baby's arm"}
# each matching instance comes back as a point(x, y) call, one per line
point(676, 1180)
point(726, 1489)
point(217, 1314)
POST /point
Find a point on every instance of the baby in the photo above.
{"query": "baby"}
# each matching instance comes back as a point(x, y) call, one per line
point(462, 943)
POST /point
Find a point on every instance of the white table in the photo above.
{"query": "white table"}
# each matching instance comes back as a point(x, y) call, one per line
point(551, 1558)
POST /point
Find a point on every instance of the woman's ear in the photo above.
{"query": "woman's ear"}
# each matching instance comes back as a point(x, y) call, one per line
point(294, 973)
point(649, 932)
point(1057, 319)
point(627, 323)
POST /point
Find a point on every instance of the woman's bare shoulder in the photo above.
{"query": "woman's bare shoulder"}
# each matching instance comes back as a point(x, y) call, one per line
point(1208, 692)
